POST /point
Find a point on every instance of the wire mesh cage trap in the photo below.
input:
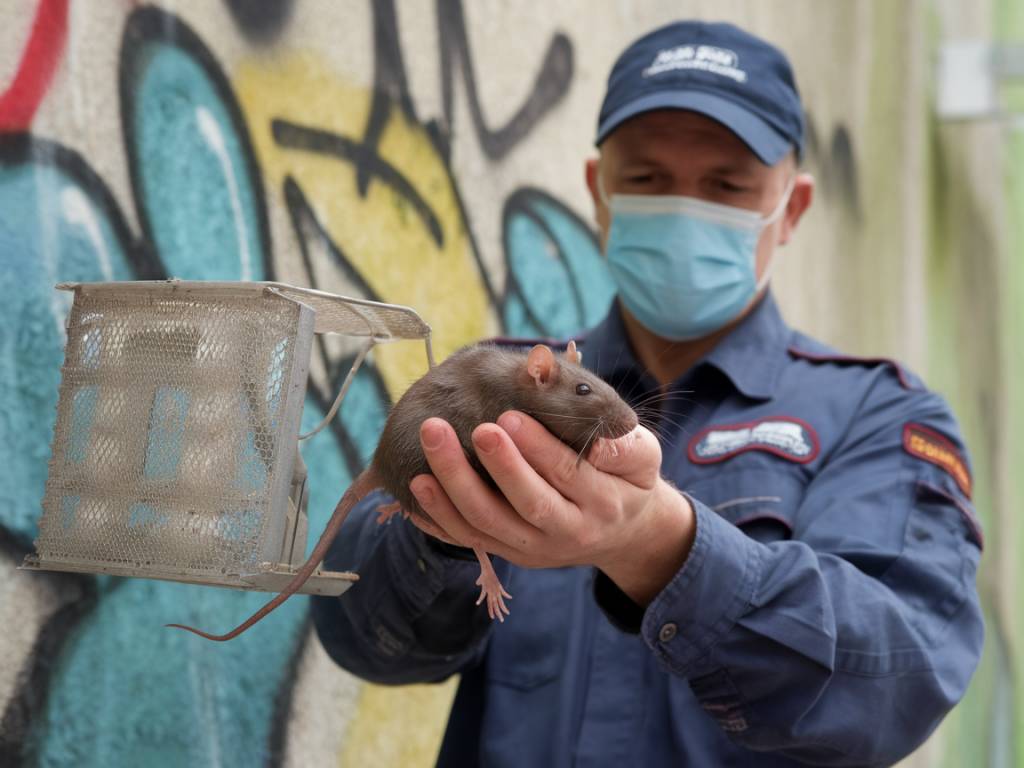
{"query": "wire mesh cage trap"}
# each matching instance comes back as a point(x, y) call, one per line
point(175, 450)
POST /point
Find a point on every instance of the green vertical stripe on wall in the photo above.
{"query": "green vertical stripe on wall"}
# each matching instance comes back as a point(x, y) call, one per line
point(1009, 28)
point(975, 299)
point(971, 361)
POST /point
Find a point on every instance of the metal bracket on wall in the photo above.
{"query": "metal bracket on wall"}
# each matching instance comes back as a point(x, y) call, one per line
point(968, 78)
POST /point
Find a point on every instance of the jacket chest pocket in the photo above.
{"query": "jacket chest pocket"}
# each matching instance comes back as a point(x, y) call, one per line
point(761, 502)
point(528, 649)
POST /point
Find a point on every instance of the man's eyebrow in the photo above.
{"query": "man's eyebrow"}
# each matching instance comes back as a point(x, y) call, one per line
point(732, 169)
point(640, 158)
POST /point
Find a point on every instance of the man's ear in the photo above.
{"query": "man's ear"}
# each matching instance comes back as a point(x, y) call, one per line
point(799, 201)
point(542, 366)
point(591, 170)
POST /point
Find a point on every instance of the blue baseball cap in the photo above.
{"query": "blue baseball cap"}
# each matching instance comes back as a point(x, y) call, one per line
point(715, 69)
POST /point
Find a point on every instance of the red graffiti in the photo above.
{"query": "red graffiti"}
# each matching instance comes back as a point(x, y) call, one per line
point(42, 53)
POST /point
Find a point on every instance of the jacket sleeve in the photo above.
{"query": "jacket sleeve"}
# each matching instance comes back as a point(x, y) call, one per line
point(412, 616)
point(849, 642)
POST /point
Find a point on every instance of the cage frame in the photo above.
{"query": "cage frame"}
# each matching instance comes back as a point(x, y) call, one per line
point(280, 555)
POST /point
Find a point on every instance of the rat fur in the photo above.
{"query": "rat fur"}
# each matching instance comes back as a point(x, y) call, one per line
point(473, 386)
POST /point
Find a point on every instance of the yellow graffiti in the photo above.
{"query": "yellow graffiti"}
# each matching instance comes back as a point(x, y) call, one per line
point(381, 235)
point(398, 726)
point(395, 253)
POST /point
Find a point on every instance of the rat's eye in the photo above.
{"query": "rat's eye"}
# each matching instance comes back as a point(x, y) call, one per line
point(582, 389)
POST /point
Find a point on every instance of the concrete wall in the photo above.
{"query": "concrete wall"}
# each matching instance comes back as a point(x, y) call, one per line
point(430, 154)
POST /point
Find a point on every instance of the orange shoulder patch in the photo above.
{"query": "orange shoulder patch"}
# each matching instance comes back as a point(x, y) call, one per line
point(924, 443)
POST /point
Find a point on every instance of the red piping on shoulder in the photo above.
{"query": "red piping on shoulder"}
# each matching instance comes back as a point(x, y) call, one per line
point(853, 360)
point(969, 518)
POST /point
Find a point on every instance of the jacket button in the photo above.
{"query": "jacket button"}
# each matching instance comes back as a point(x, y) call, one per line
point(668, 631)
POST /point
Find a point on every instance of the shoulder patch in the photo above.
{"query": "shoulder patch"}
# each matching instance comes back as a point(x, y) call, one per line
point(929, 445)
point(784, 436)
point(901, 373)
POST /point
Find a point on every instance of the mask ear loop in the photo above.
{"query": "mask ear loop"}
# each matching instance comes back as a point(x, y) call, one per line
point(767, 222)
point(775, 215)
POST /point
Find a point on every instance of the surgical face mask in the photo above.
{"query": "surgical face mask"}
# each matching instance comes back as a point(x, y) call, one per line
point(685, 267)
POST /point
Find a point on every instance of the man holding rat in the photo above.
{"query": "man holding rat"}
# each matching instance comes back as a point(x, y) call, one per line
point(806, 596)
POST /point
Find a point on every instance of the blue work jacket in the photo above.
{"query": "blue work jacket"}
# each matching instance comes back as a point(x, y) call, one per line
point(826, 614)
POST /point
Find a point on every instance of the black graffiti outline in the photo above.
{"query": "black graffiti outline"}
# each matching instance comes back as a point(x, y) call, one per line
point(549, 86)
point(148, 25)
point(838, 162)
point(342, 148)
point(303, 218)
point(262, 22)
point(280, 719)
point(522, 203)
point(391, 84)
point(391, 89)
point(144, 25)
point(24, 148)
point(79, 597)
point(294, 136)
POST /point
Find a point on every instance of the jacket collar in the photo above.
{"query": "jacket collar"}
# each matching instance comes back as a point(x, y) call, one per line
point(751, 356)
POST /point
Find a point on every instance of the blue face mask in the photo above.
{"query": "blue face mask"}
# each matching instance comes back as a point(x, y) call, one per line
point(685, 267)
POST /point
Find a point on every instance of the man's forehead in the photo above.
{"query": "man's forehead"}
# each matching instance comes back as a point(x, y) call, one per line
point(673, 129)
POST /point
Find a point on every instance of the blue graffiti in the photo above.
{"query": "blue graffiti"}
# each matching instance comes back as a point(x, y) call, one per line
point(551, 256)
point(156, 697)
point(52, 230)
point(196, 182)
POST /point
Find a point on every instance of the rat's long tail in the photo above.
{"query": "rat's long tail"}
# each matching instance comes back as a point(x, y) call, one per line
point(365, 482)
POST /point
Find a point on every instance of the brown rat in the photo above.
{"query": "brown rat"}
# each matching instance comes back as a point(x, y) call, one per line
point(473, 386)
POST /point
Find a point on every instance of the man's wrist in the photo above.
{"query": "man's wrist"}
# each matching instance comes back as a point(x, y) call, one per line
point(660, 548)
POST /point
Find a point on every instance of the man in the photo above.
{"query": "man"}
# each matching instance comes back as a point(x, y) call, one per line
point(808, 598)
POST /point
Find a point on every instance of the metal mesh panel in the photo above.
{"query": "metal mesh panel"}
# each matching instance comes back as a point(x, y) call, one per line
point(175, 421)
point(356, 317)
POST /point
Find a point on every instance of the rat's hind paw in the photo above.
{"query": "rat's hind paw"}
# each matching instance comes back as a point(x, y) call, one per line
point(491, 589)
point(495, 595)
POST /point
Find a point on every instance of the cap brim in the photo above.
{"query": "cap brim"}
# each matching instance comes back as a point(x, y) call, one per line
point(763, 140)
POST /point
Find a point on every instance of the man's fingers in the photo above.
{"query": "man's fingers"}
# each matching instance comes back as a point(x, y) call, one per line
point(528, 493)
point(635, 457)
point(427, 489)
point(553, 460)
point(474, 503)
point(446, 523)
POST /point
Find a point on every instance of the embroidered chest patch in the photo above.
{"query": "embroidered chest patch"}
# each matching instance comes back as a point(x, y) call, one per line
point(784, 436)
point(926, 444)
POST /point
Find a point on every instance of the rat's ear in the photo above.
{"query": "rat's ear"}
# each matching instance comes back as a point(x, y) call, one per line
point(542, 366)
point(572, 354)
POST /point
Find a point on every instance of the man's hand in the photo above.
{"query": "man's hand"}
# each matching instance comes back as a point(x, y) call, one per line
point(611, 510)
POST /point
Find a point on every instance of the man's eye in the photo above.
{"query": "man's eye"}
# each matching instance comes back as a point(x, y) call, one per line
point(728, 186)
point(646, 178)
point(582, 389)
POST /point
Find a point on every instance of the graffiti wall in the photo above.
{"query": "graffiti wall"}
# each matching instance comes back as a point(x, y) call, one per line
point(427, 153)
